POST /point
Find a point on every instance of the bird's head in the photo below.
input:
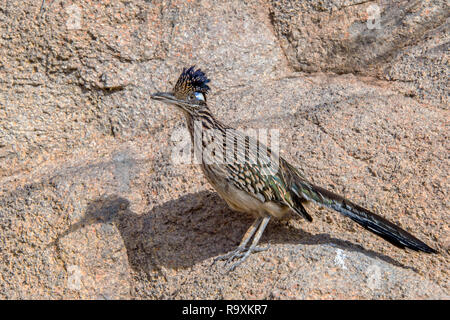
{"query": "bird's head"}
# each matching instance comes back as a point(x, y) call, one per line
point(189, 92)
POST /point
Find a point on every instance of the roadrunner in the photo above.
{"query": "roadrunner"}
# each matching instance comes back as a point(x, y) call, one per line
point(253, 179)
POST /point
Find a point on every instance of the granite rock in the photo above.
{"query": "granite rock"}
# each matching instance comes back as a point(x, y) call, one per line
point(93, 205)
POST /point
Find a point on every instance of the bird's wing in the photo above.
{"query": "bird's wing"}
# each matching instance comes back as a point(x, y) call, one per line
point(259, 171)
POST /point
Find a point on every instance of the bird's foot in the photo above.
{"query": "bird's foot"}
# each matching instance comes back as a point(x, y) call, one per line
point(240, 253)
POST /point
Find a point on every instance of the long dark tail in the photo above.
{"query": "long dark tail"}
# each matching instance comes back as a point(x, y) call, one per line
point(369, 220)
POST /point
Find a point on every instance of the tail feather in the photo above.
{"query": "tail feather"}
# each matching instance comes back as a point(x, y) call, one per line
point(300, 209)
point(369, 220)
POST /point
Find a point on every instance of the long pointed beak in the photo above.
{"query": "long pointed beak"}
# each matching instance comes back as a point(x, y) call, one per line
point(166, 97)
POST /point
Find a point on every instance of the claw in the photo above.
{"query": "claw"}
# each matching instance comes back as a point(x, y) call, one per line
point(229, 256)
point(239, 253)
point(259, 249)
point(243, 256)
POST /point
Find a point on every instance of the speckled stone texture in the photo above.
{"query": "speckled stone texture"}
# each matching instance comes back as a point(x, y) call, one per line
point(93, 207)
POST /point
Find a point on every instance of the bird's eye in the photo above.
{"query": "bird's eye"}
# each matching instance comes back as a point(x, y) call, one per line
point(199, 96)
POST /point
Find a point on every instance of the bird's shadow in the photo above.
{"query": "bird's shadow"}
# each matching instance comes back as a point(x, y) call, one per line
point(195, 227)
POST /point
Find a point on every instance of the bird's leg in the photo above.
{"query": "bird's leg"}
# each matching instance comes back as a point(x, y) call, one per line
point(231, 255)
point(253, 247)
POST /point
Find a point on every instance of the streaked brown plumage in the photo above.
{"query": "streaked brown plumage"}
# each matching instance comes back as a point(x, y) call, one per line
point(247, 182)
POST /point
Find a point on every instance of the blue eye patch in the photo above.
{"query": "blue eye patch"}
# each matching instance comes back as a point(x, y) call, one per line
point(199, 96)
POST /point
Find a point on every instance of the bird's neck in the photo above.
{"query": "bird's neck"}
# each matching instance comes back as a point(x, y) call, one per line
point(190, 124)
point(202, 119)
point(201, 126)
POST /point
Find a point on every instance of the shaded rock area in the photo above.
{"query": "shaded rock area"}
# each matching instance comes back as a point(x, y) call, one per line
point(92, 205)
